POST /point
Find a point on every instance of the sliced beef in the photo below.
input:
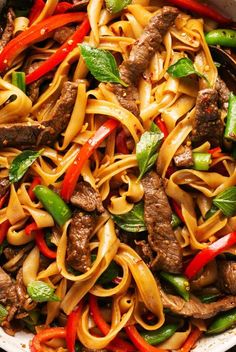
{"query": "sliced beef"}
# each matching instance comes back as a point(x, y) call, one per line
point(87, 198)
point(63, 33)
point(9, 29)
point(8, 292)
point(157, 214)
point(206, 277)
point(4, 186)
point(207, 124)
point(144, 251)
point(227, 276)
point(78, 251)
point(223, 92)
point(140, 56)
point(184, 157)
point(10, 252)
point(195, 308)
point(35, 134)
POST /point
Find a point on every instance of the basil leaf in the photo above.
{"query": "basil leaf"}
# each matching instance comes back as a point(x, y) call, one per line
point(133, 221)
point(183, 68)
point(226, 201)
point(115, 6)
point(101, 64)
point(39, 291)
point(146, 150)
point(21, 163)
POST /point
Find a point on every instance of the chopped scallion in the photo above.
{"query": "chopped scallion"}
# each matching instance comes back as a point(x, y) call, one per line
point(18, 80)
point(201, 161)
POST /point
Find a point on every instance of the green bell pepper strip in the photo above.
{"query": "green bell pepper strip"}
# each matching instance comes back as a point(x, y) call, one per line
point(201, 161)
point(18, 80)
point(179, 283)
point(223, 37)
point(222, 322)
point(230, 128)
point(53, 203)
point(158, 336)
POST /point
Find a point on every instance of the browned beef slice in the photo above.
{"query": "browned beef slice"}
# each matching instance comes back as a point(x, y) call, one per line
point(34, 134)
point(8, 294)
point(223, 92)
point(184, 157)
point(227, 276)
point(86, 197)
point(9, 29)
point(4, 186)
point(205, 277)
point(78, 251)
point(140, 56)
point(207, 124)
point(63, 33)
point(195, 308)
point(157, 214)
point(144, 251)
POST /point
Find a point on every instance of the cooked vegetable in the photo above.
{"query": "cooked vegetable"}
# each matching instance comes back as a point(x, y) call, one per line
point(133, 221)
point(109, 274)
point(35, 11)
point(179, 283)
point(101, 64)
point(115, 6)
point(209, 253)
point(226, 201)
point(62, 7)
point(160, 335)
point(39, 291)
point(175, 221)
point(21, 163)
point(71, 327)
point(3, 313)
point(191, 340)
point(45, 335)
point(211, 297)
point(73, 172)
point(222, 37)
point(211, 212)
point(201, 161)
point(183, 68)
point(53, 203)
point(139, 342)
point(222, 322)
point(4, 226)
point(230, 128)
point(36, 181)
point(146, 150)
point(18, 79)
point(162, 126)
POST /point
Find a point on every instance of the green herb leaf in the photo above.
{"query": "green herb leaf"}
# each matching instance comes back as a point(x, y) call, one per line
point(101, 64)
point(115, 6)
point(146, 150)
point(21, 163)
point(3, 313)
point(154, 128)
point(183, 68)
point(109, 274)
point(133, 221)
point(226, 201)
point(39, 291)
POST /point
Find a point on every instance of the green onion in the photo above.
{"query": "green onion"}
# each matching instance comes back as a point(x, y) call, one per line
point(226, 201)
point(230, 128)
point(18, 80)
point(175, 221)
point(201, 161)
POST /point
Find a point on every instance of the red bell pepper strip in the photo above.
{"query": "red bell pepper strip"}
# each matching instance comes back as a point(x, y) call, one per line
point(139, 341)
point(62, 7)
point(209, 253)
point(34, 34)
point(191, 340)
point(31, 227)
point(202, 10)
point(4, 226)
point(3, 199)
point(36, 181)
point(177, 210)
point(45, 335)
point(121, 145)
point(71, 327)
point(170, 171)
point(35, 11)
point(117, 343)
point(216, 152)
point(162, 126)
point(74, 170)
point(61, 53)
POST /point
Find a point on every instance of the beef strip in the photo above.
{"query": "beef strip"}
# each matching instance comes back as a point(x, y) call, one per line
point(63, 33)
point(207, 124)
point(223, 92)
point(157, 215)
point(227, 276)
point(184, 157)
point(9, 29)
point(34, 134)
point(86, 197)
point(7, 289)
point(4, 186)
point(140, 56)
point(195, 308)
point(78, 251)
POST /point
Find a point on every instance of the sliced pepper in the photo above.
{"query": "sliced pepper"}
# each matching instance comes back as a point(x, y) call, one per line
point(222, 322)
point(208, 254)
point(36, 10)
point(179, 283)
point(36, 181)
point(223, 37)
point(71, 327)
point(34, 34)
point(74, 170)
point(4, 226)
point(162, 126)
point(62, 7)
point(45, 335)
point(121, 145)
point(191, 340)
point(160, 335)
